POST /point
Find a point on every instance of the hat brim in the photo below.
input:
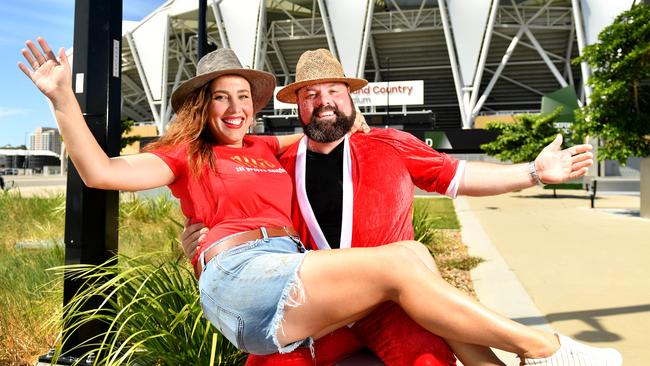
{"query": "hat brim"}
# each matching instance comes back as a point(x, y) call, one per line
point(262, 86)
point(288, 93)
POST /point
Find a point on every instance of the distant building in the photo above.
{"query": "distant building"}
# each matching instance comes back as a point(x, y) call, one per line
point(146, 131)
point(16, 161)
point(45, 138)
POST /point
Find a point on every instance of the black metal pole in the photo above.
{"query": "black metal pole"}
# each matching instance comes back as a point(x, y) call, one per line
point(203, 36)
point(91, 222)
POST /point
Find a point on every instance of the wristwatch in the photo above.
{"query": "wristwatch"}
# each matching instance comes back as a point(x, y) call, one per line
point(533, 173)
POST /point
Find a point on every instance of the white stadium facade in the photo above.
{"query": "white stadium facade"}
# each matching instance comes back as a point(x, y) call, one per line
point(462, 58)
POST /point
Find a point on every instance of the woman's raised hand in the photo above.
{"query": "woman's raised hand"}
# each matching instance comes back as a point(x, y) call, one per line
point(51, 76)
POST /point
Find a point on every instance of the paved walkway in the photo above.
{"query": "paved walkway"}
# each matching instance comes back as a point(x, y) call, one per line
point(585, 271)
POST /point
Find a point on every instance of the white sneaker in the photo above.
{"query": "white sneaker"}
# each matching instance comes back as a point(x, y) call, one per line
point(575, 353)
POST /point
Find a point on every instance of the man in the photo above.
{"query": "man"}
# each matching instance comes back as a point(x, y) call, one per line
point(358, 191)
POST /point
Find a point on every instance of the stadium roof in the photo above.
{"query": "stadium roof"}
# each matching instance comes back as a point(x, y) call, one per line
point(530, 45)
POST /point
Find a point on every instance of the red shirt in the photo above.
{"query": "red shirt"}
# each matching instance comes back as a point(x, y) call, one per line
point(386, 165)
point(249, 188)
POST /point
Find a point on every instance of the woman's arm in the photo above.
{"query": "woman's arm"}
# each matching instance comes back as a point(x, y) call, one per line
point(287, 140)
point(97, 170)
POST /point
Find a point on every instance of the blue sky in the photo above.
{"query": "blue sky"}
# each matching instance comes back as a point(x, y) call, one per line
point(22, 107)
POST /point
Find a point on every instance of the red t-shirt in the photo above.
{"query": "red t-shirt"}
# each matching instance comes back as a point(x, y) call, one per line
point(249, 188)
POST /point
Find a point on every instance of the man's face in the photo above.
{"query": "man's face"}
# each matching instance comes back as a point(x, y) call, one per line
point(326, 111)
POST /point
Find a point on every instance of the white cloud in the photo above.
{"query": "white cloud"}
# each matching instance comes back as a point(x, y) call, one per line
point(8, 112)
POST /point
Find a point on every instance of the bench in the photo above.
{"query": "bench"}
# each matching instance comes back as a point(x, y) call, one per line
point(613, 186)
point(567, 185)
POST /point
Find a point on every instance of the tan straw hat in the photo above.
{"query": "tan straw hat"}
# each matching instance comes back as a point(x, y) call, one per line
point(316, 67)
point(224, 62)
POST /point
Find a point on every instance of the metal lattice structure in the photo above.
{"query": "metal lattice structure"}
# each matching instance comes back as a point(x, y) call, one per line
point(526, 48)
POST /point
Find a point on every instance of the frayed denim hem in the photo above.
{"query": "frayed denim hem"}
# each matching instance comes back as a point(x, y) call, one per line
point(295, 286)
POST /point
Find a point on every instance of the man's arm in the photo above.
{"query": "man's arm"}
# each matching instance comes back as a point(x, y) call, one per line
point(553, 165)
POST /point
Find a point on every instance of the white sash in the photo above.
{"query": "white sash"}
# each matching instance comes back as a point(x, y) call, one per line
point(305, 206)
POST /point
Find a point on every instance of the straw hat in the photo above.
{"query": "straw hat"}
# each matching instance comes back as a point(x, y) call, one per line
point(224, 62)
point(315, 67)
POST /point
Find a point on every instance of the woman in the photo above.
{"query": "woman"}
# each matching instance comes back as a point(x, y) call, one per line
point(258, 285)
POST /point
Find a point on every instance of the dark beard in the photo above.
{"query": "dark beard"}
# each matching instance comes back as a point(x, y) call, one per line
point(326, 130)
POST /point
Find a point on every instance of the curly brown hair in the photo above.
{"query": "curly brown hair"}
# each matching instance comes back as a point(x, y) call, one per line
point(191, 127)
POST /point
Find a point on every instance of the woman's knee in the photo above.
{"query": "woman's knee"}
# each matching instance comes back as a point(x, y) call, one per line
point(406, 257)
point(420, 250)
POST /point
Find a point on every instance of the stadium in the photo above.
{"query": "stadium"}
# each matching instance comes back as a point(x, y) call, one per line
point(463, 68)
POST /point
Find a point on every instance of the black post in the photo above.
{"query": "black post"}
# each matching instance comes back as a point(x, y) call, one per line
point(91, 222)
point(203, 37)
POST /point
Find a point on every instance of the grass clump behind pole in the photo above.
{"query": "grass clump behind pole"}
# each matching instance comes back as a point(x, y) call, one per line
point(29, 296)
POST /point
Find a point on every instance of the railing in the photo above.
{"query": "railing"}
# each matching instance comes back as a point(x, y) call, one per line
point(428, 18)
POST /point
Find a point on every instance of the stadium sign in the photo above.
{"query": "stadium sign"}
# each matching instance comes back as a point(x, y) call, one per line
point(379, 94)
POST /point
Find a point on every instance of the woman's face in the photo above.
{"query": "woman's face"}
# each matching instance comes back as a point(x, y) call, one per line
point(231, 109)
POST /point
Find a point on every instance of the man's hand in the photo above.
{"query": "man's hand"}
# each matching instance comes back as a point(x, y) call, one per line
point(557, 166)
point(192, 237)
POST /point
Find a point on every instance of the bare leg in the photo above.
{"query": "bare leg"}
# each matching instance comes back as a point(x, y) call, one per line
point(341, 286)
point(468, 354)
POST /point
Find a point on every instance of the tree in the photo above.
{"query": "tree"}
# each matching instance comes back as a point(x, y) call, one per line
point(521, 141)
point(619, 112)
point(126, 125)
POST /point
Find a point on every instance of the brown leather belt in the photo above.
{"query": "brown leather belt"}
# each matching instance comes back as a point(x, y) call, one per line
point(242, 238)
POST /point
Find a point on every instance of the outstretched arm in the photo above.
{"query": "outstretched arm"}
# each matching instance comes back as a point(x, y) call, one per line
point(553, 165)
point(54, 79)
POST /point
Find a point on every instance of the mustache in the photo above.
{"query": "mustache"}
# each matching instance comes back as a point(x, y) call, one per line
point(325, 108)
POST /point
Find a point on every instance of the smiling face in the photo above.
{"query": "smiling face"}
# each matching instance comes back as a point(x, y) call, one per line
point(231, 109)
point(326, 111)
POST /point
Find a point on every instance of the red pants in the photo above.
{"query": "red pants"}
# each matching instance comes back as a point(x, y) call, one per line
point(388, 332)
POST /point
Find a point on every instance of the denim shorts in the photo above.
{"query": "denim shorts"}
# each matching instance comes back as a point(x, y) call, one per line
point(245, 289)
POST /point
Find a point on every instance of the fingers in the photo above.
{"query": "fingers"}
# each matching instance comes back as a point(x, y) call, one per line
point(192, 230)
point(25, 69)
point(556, 144)
point(35, 58)
point(38, 56)
point(578, 173)
point(192, 243)
point(46, 49)
point(64, 58)
point(30, 60)
point(582, 164)
point(196, 234)
point(579, 149)
point(581, 157)
point(365, 128)
point(192, 236)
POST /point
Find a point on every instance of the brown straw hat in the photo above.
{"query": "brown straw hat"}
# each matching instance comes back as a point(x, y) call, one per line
point(224, 62)
point(316, 67)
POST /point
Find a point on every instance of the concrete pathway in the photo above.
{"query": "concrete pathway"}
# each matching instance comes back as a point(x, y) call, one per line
point(585, 271)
